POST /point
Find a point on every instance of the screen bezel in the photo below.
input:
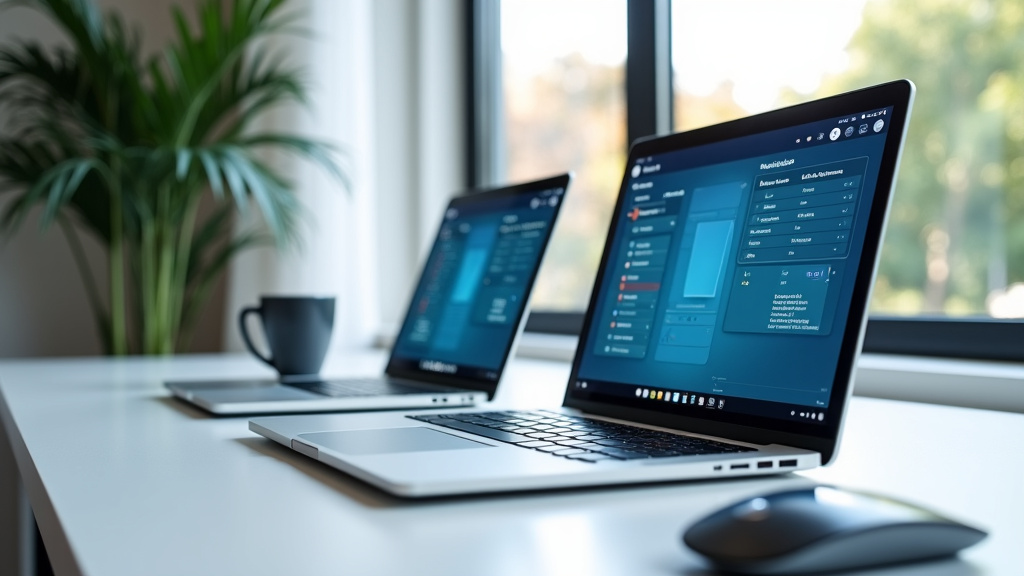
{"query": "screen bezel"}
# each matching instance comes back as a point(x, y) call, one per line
point(823, 437)
point(399, 367)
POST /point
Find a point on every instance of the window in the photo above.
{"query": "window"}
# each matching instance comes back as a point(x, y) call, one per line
point(953, 254)
point(564, 95)
point(951, 246)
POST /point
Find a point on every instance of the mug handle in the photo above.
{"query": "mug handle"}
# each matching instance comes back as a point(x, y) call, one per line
point(245, 334)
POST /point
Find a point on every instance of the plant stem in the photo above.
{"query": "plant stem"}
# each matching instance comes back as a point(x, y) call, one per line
point(165, 273)
point(183, 253)
point(118, 336)
point(147, 260)
point(164, 291)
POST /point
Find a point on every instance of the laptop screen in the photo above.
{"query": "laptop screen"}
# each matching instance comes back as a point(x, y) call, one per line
point(473, 289)
point(731, 267)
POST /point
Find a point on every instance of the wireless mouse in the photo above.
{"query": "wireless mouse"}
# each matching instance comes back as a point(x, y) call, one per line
point(823, 529)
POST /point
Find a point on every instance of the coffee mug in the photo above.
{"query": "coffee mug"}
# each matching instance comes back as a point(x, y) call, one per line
point(297, 331)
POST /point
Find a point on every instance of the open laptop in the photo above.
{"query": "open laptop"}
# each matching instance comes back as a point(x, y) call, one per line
point(466, 312)
point(722, 331)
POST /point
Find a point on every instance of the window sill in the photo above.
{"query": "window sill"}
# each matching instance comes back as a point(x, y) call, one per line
point(970, 383)
point(987, 384)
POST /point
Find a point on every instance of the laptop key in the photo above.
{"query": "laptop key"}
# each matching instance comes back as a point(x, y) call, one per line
point(570, 436)
point(590, 457)
point(623, 454)
point(499, 435)
point(535, 444)
point(552, 448)
point(570, 442)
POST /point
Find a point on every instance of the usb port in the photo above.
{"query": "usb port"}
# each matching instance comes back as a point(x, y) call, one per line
point(739, 466)
point(765, 464)
point(787, 463)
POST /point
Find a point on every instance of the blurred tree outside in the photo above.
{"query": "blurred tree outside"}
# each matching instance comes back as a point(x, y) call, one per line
point(956, 232)
point(570, 117)
point(955, 241)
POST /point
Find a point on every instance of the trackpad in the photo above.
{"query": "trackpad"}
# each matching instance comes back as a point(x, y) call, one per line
point(389, 441)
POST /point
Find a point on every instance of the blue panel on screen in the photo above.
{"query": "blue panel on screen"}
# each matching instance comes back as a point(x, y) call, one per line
point(469, 275)
point(710, 247)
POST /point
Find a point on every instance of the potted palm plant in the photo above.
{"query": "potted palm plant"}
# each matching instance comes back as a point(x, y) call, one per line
point(129, 147)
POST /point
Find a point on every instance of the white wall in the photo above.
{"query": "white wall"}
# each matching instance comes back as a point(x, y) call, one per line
point(387, 86)
point(333, 257)
point(420, 93)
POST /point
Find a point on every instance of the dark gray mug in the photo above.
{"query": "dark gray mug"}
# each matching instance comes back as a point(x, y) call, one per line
point(297, 329)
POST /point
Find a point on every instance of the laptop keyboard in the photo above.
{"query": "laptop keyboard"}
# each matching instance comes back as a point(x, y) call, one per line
point(577, 438)
point(357, 387)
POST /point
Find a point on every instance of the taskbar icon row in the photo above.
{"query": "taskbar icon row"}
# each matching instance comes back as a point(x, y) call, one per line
point(680, 397)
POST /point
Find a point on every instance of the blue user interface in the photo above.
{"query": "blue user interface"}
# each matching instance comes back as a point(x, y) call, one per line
point(731, 268)
point(470, 298)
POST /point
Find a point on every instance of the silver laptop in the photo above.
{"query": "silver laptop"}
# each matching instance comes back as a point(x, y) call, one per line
point(722, 331)
point(467, 310)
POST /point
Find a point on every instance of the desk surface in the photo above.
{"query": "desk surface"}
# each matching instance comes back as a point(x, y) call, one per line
point(126, 480)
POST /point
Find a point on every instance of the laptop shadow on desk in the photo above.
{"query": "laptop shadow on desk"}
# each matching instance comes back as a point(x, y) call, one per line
point(183, 408)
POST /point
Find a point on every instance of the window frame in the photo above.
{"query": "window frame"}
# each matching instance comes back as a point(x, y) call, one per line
point(649, 111)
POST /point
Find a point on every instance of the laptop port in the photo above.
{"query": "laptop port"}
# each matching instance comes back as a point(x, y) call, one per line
point(766, 464)
point(739, 466)
point(787, 463)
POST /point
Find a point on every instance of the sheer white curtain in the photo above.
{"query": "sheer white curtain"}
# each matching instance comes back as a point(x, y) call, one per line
point(386, 85)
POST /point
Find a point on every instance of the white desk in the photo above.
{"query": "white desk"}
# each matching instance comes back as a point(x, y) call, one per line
point(125, 481)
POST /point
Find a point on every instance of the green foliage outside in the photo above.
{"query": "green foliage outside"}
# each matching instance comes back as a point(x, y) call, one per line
point(956, 231)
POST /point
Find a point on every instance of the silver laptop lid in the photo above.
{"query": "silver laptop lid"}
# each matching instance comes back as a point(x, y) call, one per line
point(470, 302)
point(731, 295)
